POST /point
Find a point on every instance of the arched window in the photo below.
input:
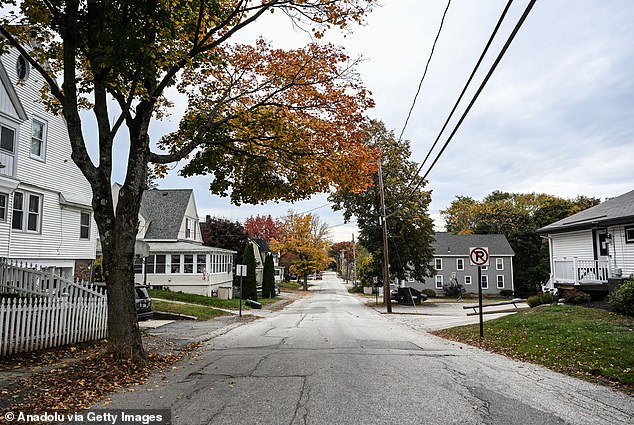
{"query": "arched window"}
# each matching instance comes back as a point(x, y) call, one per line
point(22, 67)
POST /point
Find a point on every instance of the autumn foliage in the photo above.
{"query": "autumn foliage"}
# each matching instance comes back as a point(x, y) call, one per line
point(261, 227)
point(308, 251)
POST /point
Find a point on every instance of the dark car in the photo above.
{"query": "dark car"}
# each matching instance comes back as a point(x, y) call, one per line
point(142, 301)
point(407, 296)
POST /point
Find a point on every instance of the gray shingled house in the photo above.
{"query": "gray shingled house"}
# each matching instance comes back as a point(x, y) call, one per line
point(451, 262)
point(592, 246)
point(177, 259)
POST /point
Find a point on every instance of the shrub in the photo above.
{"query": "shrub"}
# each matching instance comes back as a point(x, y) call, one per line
point(453, 289)
point(429, 292)
point(541, 298)
point(622, 300)
point(506, 292)
point(576, 297)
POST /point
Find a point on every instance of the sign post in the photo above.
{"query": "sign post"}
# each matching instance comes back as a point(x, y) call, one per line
point(479, 256)
point(241, 270)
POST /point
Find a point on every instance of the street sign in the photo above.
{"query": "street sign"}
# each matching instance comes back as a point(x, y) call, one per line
point(241, 269)
point(479, 256)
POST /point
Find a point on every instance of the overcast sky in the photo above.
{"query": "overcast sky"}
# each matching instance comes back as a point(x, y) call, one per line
point(556, 117)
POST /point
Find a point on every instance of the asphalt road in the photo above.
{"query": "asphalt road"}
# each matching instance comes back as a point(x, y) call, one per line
point(329, 359)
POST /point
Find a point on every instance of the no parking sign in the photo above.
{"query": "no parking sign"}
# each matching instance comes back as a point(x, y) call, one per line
point(479, 256)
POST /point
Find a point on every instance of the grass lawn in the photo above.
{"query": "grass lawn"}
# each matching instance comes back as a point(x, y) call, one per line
point(200, 311)
point(204, 300)
point(285, 284)
point(588, 343)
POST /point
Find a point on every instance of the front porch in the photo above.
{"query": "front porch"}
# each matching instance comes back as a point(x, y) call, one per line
point(577, 272)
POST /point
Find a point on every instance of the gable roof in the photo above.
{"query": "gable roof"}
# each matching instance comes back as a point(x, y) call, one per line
point(619, 210)
point(450, 244)
point(17, 110)
point(164, 210)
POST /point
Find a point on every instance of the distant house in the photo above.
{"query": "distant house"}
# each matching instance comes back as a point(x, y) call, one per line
point(45, 201)
point(169, 224)
point(592, 246)
point(451, 263)
point(261, 248)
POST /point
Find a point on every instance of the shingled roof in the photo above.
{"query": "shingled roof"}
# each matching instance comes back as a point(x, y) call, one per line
point(619, 210)
point(164, 209)
point(450, 244)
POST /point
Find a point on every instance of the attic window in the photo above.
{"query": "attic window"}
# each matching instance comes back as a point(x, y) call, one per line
point(22, 68)
point(629, 235)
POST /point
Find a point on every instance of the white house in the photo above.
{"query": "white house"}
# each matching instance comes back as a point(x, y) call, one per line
point(45, 201)
point(262, 248)
point(594, 245)
point(177, 259)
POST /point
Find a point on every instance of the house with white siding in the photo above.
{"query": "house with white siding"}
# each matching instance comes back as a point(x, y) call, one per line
point(45, 201)
point(177, 259)
point(594, 246)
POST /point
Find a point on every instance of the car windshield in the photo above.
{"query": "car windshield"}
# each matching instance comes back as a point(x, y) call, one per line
point(141, 293)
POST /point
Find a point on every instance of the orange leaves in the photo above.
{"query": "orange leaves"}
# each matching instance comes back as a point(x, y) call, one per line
point(291, 119)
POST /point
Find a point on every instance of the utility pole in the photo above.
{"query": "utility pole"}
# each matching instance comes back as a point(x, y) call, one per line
point(386, 259)
point(354, 258)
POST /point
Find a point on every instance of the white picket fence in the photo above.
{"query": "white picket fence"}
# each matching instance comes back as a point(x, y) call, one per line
point(44, 310)
point(29, 324)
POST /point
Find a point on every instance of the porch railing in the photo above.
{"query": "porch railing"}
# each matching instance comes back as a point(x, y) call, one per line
point(579, 271)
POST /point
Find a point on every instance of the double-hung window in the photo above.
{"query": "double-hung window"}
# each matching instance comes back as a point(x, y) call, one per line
point(3, 206)
point(439, 281)
point(38, 139)
point(438, 264)
point(499, 264)
point(459, 263)
point(500, 281)
point(27, 212)
point(485, 282)
point(84, 226)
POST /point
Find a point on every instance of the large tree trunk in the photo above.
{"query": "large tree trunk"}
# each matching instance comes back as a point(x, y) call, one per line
point(305, 282)
point(118, 229)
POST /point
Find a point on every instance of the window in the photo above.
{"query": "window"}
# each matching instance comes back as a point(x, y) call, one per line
point(438, 281)
point(500, 280)
point(3, 207)
point(629, 235)
point(138, 265)
point(18, 210)
point(22, 68)
point(467, 280)
point(485, 267)
point(7, 136)
point(38, 139)
point(201, 263)
point(160, 263)
point(149, 264)
point(499, 264)
point(187, 228)
point(460, 263)
point(485, 282)
point(84, 226)
point(438, 264)
point(176, 263)
point(30, 204)
point(188, 264)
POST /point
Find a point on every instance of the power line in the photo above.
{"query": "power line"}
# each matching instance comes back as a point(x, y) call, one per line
point(420, 84)
point(476, 95)
point(464, 90)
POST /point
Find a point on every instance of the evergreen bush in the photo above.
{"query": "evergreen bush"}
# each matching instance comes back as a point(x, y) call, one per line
point(249, 282)
point(429, 292)
point(622, 300)
point(541, 298)
point(268, 278)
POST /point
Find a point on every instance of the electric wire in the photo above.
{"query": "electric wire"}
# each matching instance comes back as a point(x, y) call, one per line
point(476, 95)
point(420, 84)
point(462, 93)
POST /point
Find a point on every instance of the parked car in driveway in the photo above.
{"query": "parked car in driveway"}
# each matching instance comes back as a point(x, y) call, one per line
point(407, 295)
point(142, 301)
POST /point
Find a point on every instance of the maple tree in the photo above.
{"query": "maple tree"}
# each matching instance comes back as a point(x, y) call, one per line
point(222, 233)
point(264, 123)
point(517, 216)
point(410, 228)
point(261, 227)
point(300, 239)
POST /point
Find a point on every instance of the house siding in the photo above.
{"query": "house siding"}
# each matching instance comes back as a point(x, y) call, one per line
point(573, 244)
point(191, 214)
point(622, 252)
point(57, 243)
point(449, 266)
